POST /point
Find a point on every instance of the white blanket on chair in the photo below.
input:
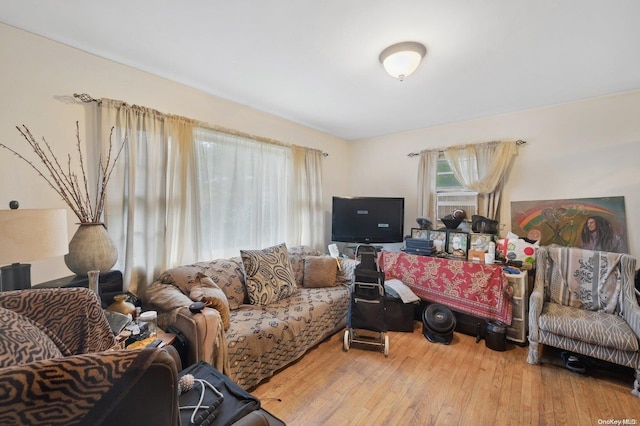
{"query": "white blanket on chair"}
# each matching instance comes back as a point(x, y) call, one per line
point(585, 279)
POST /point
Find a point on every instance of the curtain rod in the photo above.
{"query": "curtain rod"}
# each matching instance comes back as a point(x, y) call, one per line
point(415, 154)
point(86, 98)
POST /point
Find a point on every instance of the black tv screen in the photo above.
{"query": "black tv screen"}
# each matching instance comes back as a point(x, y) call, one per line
point(367, 219)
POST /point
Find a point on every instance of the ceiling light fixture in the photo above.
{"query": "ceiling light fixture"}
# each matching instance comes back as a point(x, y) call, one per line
point(402, 59)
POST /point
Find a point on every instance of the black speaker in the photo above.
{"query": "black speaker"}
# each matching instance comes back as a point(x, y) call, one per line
point(438, 323)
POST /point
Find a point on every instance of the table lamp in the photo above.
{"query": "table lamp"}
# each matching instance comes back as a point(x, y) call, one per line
point(29, 234)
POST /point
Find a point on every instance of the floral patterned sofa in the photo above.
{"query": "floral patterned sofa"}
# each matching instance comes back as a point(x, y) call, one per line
point(251, 334)
point(583, 301)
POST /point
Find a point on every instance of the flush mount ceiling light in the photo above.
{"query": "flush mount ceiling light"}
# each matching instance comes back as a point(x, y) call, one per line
point(402, 59)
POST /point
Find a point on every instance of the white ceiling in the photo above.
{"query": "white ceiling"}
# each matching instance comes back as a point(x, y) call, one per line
point(316, 62)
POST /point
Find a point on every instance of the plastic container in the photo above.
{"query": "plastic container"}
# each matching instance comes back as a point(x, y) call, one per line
point(148, 322)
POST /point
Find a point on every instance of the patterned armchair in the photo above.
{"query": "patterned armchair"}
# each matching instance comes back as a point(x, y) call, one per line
point(58, 365)
point(583, 301)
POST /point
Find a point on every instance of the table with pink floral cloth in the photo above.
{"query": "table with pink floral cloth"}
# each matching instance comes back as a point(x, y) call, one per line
point(472, 288)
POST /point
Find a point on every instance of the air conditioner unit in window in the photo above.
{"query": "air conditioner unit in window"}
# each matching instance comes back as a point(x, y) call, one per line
point(447, 202)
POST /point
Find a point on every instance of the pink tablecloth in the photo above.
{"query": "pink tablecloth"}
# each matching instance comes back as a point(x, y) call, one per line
point(473, 288)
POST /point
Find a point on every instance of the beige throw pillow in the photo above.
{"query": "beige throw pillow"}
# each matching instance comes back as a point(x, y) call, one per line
point(268, 274)
point(319, 271)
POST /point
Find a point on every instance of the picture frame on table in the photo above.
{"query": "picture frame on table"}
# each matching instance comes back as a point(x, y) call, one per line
point(422, 234)
point(439, 238)
point(479, 241)
point(457, 244)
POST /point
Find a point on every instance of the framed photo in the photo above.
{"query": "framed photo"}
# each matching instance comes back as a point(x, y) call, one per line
point(480, 241)
point(422, 234)
point(458, 244)
point(439, 239)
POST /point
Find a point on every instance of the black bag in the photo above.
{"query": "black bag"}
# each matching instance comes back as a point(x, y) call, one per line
point(180, 343)
point(484, 225)
point(235, 404)
point(399, 315)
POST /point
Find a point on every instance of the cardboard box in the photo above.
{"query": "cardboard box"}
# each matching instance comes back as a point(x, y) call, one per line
point(476, 256)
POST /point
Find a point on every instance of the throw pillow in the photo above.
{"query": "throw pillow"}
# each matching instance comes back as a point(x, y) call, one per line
point(297, 255)
point(23, 341)
point(268, 274)
point(319, 271)
point(205, 290)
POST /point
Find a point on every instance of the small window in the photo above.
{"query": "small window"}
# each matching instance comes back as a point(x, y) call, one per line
point(451, 194)
point(446, 180)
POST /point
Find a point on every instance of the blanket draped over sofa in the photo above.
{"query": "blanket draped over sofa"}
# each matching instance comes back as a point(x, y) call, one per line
point(260, 339)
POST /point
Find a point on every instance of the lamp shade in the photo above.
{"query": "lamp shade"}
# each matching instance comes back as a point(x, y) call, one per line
point(32, 234)
point(402, 59)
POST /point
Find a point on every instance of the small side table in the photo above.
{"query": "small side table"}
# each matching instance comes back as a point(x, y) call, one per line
point(167, 338)
point(109, 284)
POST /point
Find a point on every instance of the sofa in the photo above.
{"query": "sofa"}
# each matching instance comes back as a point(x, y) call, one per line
point(583, 302)
point(59, 366)
point(264, 308)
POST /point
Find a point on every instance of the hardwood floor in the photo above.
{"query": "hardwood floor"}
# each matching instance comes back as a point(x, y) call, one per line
point(423, 383)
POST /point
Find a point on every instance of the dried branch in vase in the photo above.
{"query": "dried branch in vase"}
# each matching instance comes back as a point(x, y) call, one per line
point(74, 191)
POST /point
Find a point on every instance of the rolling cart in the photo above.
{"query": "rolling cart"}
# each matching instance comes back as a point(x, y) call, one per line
point(365, 319)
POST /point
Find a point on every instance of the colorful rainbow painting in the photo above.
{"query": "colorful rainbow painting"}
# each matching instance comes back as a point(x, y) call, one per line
point(561, 221)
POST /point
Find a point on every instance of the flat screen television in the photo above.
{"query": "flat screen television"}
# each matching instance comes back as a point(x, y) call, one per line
point(367, 219)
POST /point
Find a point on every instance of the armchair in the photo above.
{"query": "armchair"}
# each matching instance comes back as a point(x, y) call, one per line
point(58, 365)
point(583, 301)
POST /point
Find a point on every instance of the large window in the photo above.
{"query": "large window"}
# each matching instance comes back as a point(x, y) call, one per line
point(182, 193)
point(245, 189)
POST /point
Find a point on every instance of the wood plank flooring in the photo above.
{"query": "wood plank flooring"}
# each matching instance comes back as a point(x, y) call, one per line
point(464, 383)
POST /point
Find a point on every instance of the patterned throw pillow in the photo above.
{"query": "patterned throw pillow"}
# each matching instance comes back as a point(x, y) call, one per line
point(319, 271)
point(23, 341)
point(268, 274)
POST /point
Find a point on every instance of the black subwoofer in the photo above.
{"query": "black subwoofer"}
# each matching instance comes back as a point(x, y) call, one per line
point(438, 323)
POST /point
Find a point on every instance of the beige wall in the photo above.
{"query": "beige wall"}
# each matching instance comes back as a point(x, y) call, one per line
point(582, 149)
point(38, 80)
point(576, 150)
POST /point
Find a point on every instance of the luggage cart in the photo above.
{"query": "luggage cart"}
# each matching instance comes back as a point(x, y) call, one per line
point(365, 319)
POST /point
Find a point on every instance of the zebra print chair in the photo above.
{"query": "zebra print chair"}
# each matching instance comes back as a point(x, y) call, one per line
point(58, 365)
point(584, 302)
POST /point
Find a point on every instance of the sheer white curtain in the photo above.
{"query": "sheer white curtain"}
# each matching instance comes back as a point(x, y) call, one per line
point(255, 194)
point(481, 168)
point(306, 201)
point(148, 207)
point(427, 178)
point(183, 229)
point(181, 193)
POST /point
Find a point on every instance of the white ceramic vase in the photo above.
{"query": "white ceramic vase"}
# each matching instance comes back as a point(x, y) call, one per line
point(91, 249)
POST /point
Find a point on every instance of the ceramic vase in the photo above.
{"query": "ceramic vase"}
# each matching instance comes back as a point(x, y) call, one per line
point(91, 249)
point(122, 306)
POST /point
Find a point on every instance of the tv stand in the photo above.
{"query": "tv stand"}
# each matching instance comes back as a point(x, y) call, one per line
point(476, 289)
